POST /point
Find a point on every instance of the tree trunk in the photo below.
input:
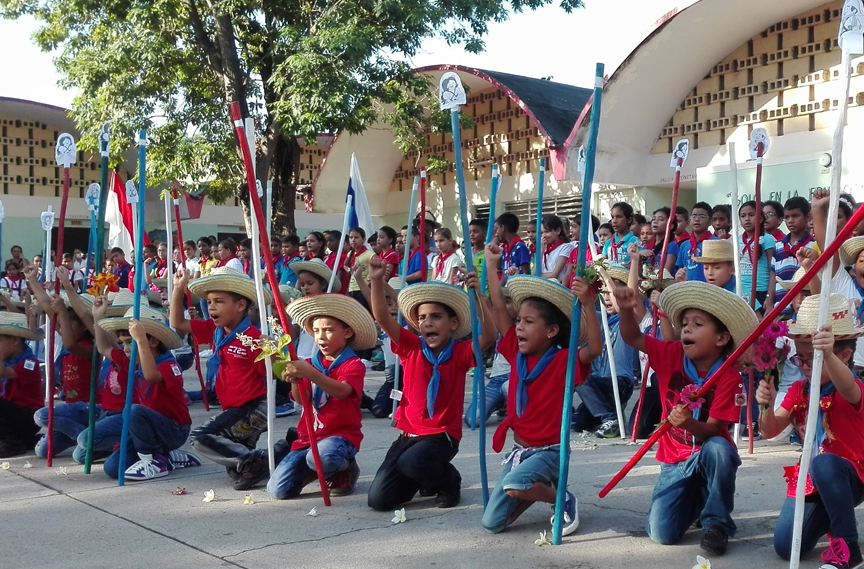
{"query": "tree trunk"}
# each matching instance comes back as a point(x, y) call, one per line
point(286, 158)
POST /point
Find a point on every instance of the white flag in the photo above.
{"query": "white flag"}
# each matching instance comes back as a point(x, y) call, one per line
point(360, 214)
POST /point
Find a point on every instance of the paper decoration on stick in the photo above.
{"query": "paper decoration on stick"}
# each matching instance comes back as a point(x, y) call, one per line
point(259, 188)
point(47, 219)
point(451, 92)
point(580, 163)
point(105, 138)
point(682, 150)
point(2, 211)
point(851, 38)
point(759, 135)
point(131, 192)
point(92, 196)
point(65, 150)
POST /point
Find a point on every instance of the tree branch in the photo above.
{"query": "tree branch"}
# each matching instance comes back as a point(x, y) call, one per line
point(202, 39)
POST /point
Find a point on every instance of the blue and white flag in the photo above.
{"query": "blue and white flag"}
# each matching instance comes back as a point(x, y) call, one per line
point(359, 215)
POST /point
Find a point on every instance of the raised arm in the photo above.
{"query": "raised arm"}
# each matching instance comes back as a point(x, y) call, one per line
point(377, 273)
point(594, 348)
point(503, 322)
point(488, 330)
point(176, 317)
point(42, 297)
point(145, 355)
point(79, 306)
point(65, 328)
point(105, 342)
point(628, 325)
point(820, 201)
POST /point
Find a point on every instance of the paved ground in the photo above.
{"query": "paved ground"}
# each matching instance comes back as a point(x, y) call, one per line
point(52, 520)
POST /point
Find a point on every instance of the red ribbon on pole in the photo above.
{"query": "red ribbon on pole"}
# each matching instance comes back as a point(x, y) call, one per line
point(274, 287)
point(769, 318)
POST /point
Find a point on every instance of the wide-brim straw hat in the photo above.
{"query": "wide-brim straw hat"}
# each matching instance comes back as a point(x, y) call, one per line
point(617, 274)
point(395, 283)
point(86, 298)
point(15, 324)
point(411, 297)
point(162, 284)
point(153, 321)
point(124, 299)
point(840, 318)
point(305, 310)
point(317, 267)
point(850, 250)
point(716, 251)
point(799, 274)
point(730, 309)
point(226, 279)
point(289, 294)
point(529, 286)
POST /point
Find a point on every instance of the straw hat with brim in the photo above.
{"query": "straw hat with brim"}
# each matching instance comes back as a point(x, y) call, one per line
point(317, 267)
point(395, 283)
point(289, 294)
point(225, 279)
point(410, 298)
point(799, 274)
point(716, 251)
point(87, 299)
point(616, 274)
point(305, 310)
point(840, 318)
point(730, 309)
point(153, 321)
point(162, 284)
point(14, 324)
point(523, 287)
point(850, 250)
point(124, 299)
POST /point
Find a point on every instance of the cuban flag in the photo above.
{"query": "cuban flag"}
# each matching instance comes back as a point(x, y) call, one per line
point(359, 214)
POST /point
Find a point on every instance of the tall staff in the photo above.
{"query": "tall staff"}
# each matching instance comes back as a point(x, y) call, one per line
point(424, 269)
point(736, 252)
point(140, 285)
point(274, 286)
point(47, 219)
point(92, 199)
point(576, 310)
point(98, 256)
point(452, 97)
point(851, 41)
point(679, 156)
point(538, 226)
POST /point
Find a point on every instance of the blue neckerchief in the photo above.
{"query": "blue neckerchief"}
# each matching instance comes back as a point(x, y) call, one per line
point(691, 372)
point(613, 319)
point(26, 354)
point(220, 340)
point(861, 305)
point(525, 378)
point(319, 396)
point(58, 365)
point(435, 380)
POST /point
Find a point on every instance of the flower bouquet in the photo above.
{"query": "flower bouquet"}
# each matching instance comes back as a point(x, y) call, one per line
point(102, 283)
point(276, 346)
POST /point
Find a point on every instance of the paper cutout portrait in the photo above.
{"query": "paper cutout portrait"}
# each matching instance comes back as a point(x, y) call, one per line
point(65, 150)
point(759, 135)
point(92, 196)
point(580, 162)
point(851, 38)
point(682, 150)
point(47, 219)
point(131, 192)
point(451, 93)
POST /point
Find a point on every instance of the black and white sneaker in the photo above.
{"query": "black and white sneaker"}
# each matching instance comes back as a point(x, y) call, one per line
point(183, 459)
point(608, 430)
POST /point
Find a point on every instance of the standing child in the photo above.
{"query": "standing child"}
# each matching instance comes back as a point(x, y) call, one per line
point(763, 252)
point(659, 223)
point(556, 248)
point(429, 414)
point(615, 248)
point(772, 215)
point(796, 214)
point(228, 256)
point(575, 231)
point(700, 223)
point(721, 221)
point(447, 261)
point(697, 477)
point(836, 479)
point(516, 257)
point(20, 386)
point(414, 256)
point(536, 349)
point(386, 244)
point(359, 255)
point(206, 260)
point(682, 222)
point(333, 238)
point(333, 379)
point(605, 231)
point(230, 437)
point(13, 282)
point(290, 249)
point(477, 229)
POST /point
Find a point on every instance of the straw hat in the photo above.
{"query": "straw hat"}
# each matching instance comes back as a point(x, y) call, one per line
point(799, 274)
point(87, 299)
point(317, 267)
point(716, 251)
point(162, 284)
point(395, 283)
point(840, 318)
point(305, 310)
point(153, 321)
point(225, 279)
point(15, 324)
point(442, 293)
point(289, 294)
point(529, 286)
point(124, 299)
point(850, 250)
point(730, 309)
point(618, 274)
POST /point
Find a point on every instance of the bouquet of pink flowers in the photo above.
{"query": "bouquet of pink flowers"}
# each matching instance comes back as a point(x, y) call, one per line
point(764, 356)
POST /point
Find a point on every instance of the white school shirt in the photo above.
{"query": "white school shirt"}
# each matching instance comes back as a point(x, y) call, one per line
point(454, 260)
point(843, 283)
point(235, 263)
point(547, 262)
point(15, 289)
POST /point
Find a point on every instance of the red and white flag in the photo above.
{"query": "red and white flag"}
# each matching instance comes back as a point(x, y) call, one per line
point(118, 216)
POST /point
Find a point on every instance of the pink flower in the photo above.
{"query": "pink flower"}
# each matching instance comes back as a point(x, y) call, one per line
point(764, 354)
point(690, 397)
point(776, 330)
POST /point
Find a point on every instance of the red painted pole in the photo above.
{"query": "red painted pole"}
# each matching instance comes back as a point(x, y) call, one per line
point(754, 260)
point(769, 318)
point(424, 270)
point(274, 286)
point(204, 397)
point(655, 320)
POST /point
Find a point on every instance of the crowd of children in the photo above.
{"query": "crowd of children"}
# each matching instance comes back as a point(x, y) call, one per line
point(686, 288)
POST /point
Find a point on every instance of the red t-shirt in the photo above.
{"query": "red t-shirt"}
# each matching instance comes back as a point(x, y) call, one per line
point(338, 417)
point(240, 378)
point(26, 389)
point(411, 415)
point(167, 396)
point(574, 258)
point(845, 422)
point(345, 280)
point(667, 360)
point(540, 423)
point(391, 257)
point(75, 374)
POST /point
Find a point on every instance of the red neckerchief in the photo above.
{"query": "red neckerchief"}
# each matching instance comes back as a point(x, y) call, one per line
point(442, 257)
point(694, 242)
point(354, 253)
point(16, 283)
point(793, 248)
point(747, 244)
point(384, 253)
point(287, 259)
point(684, 237)
point(548, 249)
point(507, 248)
point(778, 235)
point(222, 263)
point(613, 249)
point(246, 266)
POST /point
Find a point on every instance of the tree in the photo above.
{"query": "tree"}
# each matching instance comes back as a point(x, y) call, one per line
point(299, 67)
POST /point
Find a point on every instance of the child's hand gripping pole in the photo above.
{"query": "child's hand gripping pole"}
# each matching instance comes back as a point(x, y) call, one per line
point(274, 286)
point(769, 318)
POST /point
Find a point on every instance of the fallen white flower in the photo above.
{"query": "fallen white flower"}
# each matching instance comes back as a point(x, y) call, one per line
point(28, 465)
point(542, 540)
point(313, 512)
point(61, 470)
point(248, 500)
point(399, 516)
point(209, 495)
point(702, 563)
point(4, 466)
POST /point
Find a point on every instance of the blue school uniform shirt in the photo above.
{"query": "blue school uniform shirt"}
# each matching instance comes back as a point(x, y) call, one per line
point(695, 271)
point(730, 286)
point(277, 266)
point(616, 252)
point(626, 356)
point(762, 267)
point(785, 262)
point(519, 255)
point(289, 277)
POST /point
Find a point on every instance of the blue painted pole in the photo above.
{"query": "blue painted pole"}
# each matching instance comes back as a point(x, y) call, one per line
point(538, 241)
point(136, 307)
point(576, 310)
point(475, 321)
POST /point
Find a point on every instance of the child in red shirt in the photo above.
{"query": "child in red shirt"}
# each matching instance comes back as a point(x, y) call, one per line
point(429, 412)
point(160, 424)
point(697, 477)
point(230, 438)
point(536, 348)
point(836, 479)
point(20, 386)
point(335, 375)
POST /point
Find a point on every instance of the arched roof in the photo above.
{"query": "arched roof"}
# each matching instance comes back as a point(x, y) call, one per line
point(41, 112)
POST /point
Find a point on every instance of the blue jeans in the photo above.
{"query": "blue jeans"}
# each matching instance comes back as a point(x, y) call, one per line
point(830, 509)
point(150, 432)
point(598, 400)
point(288, 477)
point(535, 466)
point(106, 435)
point(701, 487)
point(496, 398)
point(69, 420)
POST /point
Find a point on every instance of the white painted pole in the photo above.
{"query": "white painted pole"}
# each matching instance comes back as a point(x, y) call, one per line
point(736, 253)
point(48, 226)
point(349, 203)
point(169, 242)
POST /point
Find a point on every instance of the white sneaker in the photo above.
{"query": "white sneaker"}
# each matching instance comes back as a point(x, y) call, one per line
point(571, 515)
point(206, 354)
point(148, 468)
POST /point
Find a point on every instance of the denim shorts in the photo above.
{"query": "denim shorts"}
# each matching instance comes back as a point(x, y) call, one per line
point(535, 466)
